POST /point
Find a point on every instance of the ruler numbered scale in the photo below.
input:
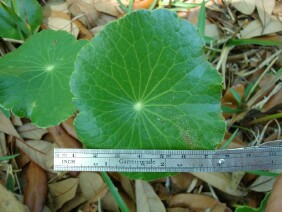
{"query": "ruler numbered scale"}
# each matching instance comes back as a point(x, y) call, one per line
point(123, 160)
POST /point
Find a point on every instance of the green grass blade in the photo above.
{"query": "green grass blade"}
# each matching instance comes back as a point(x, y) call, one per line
point(226, 144)
point(122, 6)
point(114, 192)
point(153, 5)
point(8, 157)
point(226, 109)
point(237, 42)
point(202, 19)
point(184, 5)
point(263, 173)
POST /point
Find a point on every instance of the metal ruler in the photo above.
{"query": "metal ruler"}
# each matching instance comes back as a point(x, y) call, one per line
point(265, 157)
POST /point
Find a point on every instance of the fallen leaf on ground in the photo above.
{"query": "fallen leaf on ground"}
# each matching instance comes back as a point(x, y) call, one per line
point(126, 184)
point(255, 28)
point(263, 183)
point(181, 182)
point(273, 101)
point(69, 128)
point(87, 8)
point(90, 183)
point(74, 203)
point(59, 23)
point(221, 181)
point(36, 189)
point(274, 201)
point(31, 131)
point(37, 151)
point(265, 8)
point(246, 7)
point(108, 7)
point(3, 146)
point(7, 127)
point(8, 202)
point(63, 191)
point(16, 120)
point(197, 202)
point(62, 138)
point(146, 198)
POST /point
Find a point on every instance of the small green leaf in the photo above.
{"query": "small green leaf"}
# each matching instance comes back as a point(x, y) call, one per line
point(261, 208)
point(144, 83)
point(20, 18)
point(34, 79)
point(236, 95)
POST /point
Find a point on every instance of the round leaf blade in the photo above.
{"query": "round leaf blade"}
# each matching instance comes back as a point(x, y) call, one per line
point(34, 79)
point(144, 83)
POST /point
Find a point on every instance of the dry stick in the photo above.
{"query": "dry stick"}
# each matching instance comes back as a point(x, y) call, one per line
point(264, 63)
point(222, 62)
point(266, 118)
point(242, 55)
point(265, 88)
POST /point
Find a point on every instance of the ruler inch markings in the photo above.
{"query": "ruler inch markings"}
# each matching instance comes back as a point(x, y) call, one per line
point(124, 160)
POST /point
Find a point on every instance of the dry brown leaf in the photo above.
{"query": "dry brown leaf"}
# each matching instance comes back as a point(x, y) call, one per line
point(274, 201)
point(109, 203)
point(90, 183)
point(37, 151)
point(108, 7)
point(178, 209)
point(63, 191)
point(196, 202)
point(8, 202)
point(83, 30)
point(74, 203)
point(128, 201)
point(31, 131)
point(125, 184)
point(36, 189)
point(273, 101)
point(181, 182)
point(246, 7)
point(255, 28)
point(265, 8)
point(59, 23)
point(7, 127)
point(16, 120)
point(221, 181)
point(87, 9)
point(211, 30)
point(263, 183)
point(3, 145)
point(146, 198)
point(278, 8)
point(69, 128)
point(62, 138)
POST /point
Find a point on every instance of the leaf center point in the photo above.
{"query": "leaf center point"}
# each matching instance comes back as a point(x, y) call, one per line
point(138, 106)
point(50, 68)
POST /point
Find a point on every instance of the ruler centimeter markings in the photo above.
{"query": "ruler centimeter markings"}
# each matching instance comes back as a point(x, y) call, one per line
point(124, 160)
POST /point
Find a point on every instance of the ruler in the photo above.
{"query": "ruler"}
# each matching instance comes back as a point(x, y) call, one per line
point(124, 160)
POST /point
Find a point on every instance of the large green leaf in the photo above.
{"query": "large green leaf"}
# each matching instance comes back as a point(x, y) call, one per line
point(34, 79)
point(144, 83)
point(19, 18)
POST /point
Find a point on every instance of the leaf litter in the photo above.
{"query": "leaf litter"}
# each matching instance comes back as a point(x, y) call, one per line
point(252, 100)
